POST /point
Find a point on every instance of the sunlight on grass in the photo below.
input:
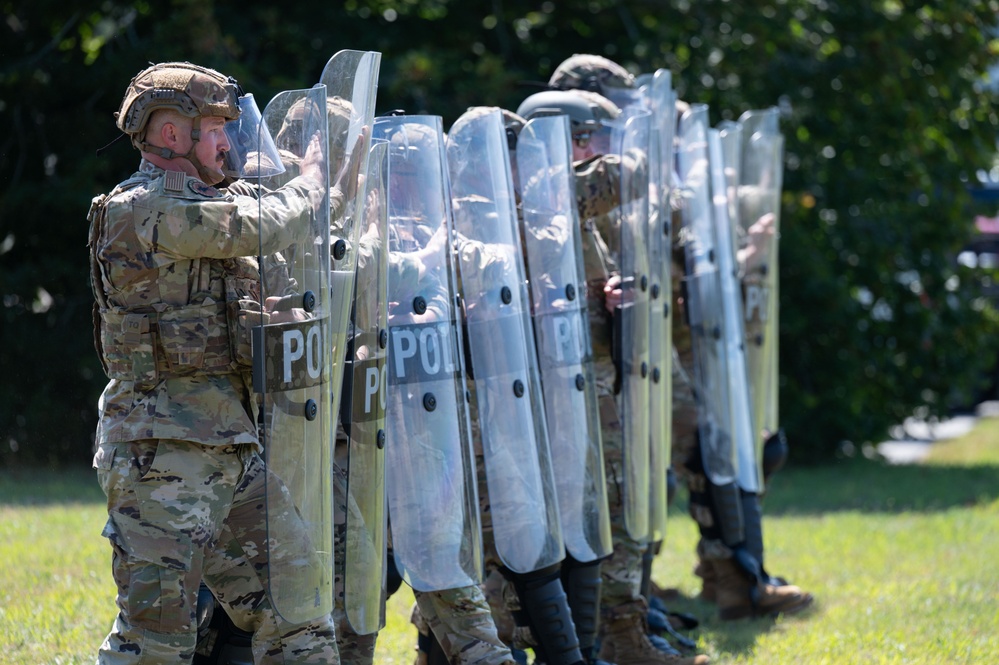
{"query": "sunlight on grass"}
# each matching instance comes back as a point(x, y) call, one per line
point(902, 561)
point(978, 447)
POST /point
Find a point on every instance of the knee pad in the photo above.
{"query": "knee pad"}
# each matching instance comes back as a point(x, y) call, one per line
point(582, 584)
point(775, 452)
point(545, 608)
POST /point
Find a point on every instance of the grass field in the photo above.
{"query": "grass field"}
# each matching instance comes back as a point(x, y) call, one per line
point(903, 561)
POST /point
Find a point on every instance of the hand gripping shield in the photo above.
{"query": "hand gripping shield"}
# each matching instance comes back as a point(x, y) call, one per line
point(291, 376)
point(760, 184)
point(703, 301)
point(429, 466)
point(507, 395)
point(661, 101)
point(630, 139)
point(554, 256)
point(363, 410)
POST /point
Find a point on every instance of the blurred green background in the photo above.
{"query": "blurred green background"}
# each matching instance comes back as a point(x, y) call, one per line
point(887, 110)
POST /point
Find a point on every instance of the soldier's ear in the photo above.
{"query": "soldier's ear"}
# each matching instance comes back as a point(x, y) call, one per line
point(170, 134)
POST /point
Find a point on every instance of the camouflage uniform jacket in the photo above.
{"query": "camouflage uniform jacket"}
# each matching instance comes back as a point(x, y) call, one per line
point(597, 195)
point(166, 261)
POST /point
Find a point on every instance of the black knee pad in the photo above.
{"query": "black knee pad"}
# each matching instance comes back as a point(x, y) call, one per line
point(545, 609)
point(775, 452)
point(582, 584)
point(220, 642)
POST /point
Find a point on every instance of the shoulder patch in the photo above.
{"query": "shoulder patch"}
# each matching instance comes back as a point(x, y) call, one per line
point(201, 189)
point(173, 181)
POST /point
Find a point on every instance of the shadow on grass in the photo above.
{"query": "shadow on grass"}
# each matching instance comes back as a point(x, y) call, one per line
point(40, 487)
point(732, 637)
point(872, 486)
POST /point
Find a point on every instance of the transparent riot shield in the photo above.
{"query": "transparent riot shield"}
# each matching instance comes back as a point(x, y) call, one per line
point(739, 410)
point(661, 101)
point(291, 370)
point(507, 400)
point(630, 140)
point(554, 258)
point(702, 296)
point(759, 219)
point(429, 465)
point(730, 141)
point(364, 559)
point(351, 81)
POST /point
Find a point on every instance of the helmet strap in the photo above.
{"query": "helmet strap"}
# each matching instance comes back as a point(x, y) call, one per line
point(207, 176)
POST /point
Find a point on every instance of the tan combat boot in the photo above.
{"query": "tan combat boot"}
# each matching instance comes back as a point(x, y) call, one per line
point(709, 587)
point(626, 641)
point(738, 596)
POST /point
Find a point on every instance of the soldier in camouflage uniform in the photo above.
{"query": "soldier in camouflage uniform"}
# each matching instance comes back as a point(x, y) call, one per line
point(625, 635)
point(178, 453)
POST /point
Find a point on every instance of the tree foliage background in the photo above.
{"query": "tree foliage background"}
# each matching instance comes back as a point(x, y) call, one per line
point(883, 106)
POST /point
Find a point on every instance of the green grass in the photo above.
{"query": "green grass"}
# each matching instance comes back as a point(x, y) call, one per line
point(903, 561)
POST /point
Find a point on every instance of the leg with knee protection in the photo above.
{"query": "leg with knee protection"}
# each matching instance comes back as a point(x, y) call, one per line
point(645, 586)
point(431, 649)
point(220, 642)
point(545, 608)
point(393, 579)
point(582, 586)
point(752, 524)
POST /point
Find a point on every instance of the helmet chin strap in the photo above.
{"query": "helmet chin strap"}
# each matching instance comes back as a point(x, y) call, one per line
point(208, 176)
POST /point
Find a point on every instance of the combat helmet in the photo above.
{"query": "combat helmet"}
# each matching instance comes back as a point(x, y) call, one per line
point(590, 114)
point(585, 71)
point(190, 90)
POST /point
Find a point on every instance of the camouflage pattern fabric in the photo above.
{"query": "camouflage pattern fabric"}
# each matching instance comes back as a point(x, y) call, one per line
point(587, 71)
point(463, 625)
point(196, 91)
point(168, 529)
point(165, 255)
point(162, 244)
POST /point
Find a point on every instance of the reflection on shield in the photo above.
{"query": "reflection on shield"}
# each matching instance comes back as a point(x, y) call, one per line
point(507, 387)
point(291, 375)
point(554, 258)
point(429, 472)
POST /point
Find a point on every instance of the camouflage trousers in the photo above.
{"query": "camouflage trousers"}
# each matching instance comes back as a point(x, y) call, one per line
point(621, 572)
point(461, 621)
point(179, 512)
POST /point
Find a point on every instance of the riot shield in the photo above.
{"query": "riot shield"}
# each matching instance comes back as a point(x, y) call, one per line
point(702, 296)
point(429, 466)
point(661, 101)
point(554, 258)
point(507, 397)
point(291, 374)
point(630, 140)
point(759, 203)
point(724, 188)
point(351, 81)
point(364, 559)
